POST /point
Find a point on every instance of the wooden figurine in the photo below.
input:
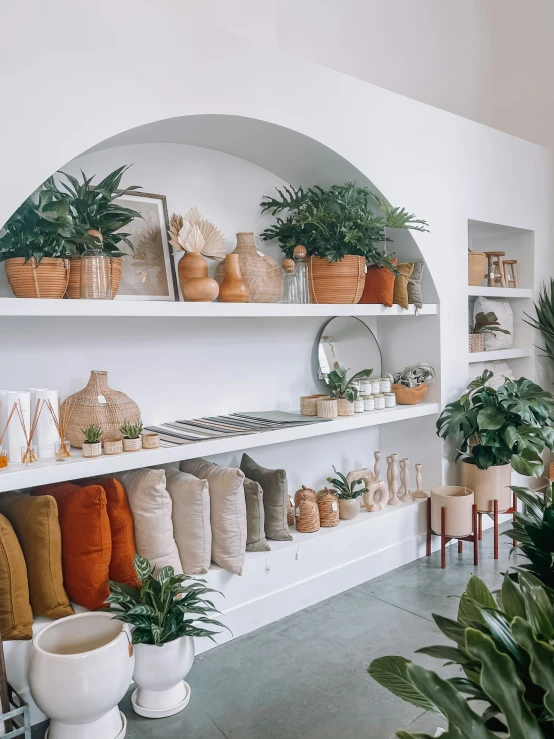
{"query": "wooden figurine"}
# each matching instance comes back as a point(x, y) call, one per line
point(419, 493)
point(510, 274)
point(407, 497)
point(401, 489)
point(394, 499)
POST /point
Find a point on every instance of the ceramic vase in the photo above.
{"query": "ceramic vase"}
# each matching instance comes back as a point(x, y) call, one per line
point(348, 508)
point(260, 272)
point(233, 289)
point(92, 450)
point(159, 674)
point(489, 485)
point(458, 501)
point(194, 282)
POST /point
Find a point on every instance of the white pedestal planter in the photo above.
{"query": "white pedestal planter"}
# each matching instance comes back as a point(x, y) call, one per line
point(80, 669)
point(159, 674)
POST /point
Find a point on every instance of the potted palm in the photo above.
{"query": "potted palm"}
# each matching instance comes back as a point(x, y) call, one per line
point(132, 440)
point(165, 613)
point(348, 494)
point(340, 231)
point(484, 323)
point(343, 389)
point(497, 430)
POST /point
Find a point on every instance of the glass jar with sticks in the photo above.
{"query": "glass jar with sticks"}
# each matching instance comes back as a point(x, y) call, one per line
point(63, 447)
point(4, 458)
point(29, 454)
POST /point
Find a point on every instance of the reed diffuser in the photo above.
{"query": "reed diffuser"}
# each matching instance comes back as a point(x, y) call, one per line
point(63, 447)
point(29, 452)
point(4, 459)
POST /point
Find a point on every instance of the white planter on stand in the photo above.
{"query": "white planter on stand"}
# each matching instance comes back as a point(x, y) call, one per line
point(159, 674)
point(81, 667)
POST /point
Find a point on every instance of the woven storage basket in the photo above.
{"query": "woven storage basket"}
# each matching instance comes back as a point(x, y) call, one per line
point(476, 343)
point(327, 408)
point(308, 404)
point(328, 505)
point(74, 286)
point(88, 407)
point(48, 279)
point(290, 512)
point(336, 282)
point(307, 492)
point(260, 272)
point(307, 515)
point(476, 267)
point(345, 407)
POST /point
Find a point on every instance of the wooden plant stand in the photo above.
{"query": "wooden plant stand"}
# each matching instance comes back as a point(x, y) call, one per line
point(495, 514)
point(445, 539)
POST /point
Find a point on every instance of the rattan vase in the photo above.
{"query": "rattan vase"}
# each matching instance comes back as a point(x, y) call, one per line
point(328, 505)
point(48, 279)
point(98, 404)
point(307, 515)
point(476, 267)
point(74, 286)
point(260, 272)
point(336, 282)
point(303, 492)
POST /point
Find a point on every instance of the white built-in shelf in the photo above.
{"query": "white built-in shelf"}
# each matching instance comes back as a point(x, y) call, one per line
point(501, 354)
point(499, 292)
point(49, 471)
point(168, 309)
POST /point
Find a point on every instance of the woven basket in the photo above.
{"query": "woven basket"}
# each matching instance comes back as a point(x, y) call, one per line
point(48, 279)
point(328, 505)
point(476, 267)
point(290, 512)
point(476, 343)
point(307, 518)
point(336, 282)
point(74, 286)
point(345, 407)
point(308, 404)
point(304, 491)
point(327, 408)
point(260, 272)
point(98, 404)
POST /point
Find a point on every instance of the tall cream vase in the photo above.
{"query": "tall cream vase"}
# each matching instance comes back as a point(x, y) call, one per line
point(489, 485)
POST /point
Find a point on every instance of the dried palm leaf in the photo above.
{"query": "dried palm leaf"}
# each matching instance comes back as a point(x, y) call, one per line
point(193, 215)
point(175, 225)
point(194, 241)
point(214, 245)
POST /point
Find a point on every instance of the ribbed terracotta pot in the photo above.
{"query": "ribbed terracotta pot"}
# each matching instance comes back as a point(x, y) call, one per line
point(336, 282)
point(48, 279)
point(458, 501)
point(489, 485)
point(74, 286)
point(260, 272)
point(349, 508)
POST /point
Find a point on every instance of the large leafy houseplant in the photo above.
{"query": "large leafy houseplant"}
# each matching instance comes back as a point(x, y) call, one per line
point(511, 424)
point(544, 321)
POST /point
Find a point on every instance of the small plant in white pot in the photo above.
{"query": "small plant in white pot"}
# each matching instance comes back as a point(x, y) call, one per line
point(166, 612)
point(132, 439)
point(92, 446)
point(348, 494)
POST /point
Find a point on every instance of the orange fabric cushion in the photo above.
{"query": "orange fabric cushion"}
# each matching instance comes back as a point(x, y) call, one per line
point(379, 285)
point(86, 541)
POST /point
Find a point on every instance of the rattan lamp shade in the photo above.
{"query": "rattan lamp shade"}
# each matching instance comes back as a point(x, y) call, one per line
point(98, 404)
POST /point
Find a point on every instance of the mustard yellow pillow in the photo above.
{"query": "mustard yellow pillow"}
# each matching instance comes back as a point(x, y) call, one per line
point(16, 617)
point(401, 284)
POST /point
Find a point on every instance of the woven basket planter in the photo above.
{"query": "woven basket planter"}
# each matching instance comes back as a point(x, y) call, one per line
point(327, 408)
point(476, 267)
point(308, 404)
point(476, 343)
point(74, 285)
point(328, 505)
point(48, 279)
point(345, 407)
point(304, 491)
point(336, 282)
point(260, 272)
point(98, 404)
point(307, 515)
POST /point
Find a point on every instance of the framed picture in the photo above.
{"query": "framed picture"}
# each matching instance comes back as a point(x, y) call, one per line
point(149, 272)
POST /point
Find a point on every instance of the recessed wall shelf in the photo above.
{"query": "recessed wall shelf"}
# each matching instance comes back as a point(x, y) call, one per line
point(50, 471)
point(499, 292)
point(490, 356)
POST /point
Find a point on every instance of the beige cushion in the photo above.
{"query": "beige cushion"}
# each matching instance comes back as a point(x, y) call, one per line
point(227, 511)
point(191, 519)
point(255, 532)
point(276, 497)
point(151, 506)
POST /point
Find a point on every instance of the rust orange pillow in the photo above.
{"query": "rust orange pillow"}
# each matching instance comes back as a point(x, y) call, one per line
point(86, 541)
point(379, 286)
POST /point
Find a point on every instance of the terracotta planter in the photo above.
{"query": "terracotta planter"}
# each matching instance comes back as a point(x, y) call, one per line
point(233, 289)
point(349, 508)
point(458, 501)
point(196, 286)
point(409, 395)
point(489, 485)
point(48, 279)
point(132, 445)
point(260, 272)
point(345, 407)
point(74, 286)
point(336, 282)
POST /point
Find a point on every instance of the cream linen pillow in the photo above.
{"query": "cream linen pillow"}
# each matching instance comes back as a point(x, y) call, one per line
point(227, 511)
point(151, 506)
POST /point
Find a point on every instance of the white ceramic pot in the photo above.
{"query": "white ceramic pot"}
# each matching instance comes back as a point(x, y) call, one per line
point(349, 508)
point(458, 501)
point(159, 674)
point(92, 450)
point(132, 445)
point(80, 668)
point(489, 485)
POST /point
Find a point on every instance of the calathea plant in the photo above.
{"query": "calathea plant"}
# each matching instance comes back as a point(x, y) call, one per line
point(341, 386)
point(511, 424)
point(344, 489)
point(486, 323)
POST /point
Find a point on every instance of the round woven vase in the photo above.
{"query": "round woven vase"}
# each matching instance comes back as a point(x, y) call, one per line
point(48, 279)
point(98, 404)
point(328, 505)
point(307, 515)
point(260, 272)
point(74, 286)
point(336, 282)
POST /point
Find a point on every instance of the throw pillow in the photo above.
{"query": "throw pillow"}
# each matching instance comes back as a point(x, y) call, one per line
point(414, 285)
point(152, 507)
point(255, 533)
point(35, 522)
point(401, 284)
point(276, 497)
point(503, 311)
point(86, 541)
point(227, 511)
point(379, 286)
point(16, 616)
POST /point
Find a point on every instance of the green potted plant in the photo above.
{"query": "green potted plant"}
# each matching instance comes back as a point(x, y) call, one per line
point(132, 439)
point(343, 389)
point(484, 323)
point(33, 247)
point(497, 430)
point(92, 446)
point(533, 529)
point(341, 232)
point(348, 494)
point(166, 612)
point(410, 385)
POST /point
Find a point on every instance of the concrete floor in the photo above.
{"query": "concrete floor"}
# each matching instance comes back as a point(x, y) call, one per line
point(305, 676)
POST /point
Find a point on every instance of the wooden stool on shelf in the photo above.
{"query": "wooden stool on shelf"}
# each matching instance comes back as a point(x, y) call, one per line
point(495, 513)
point(474, 537)
point(495, 273)
point(510, 274)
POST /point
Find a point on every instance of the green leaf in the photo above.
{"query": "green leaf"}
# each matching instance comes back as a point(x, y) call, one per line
point(490, 418)
point(457, 656)
point(542, 660)
point(451, 629)
point(512, 599)
point(392, 673)
point(528, 463)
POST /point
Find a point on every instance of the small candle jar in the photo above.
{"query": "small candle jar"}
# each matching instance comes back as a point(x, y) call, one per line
point(369, 403)
point(359, 405)
point(29, 454)
point(379, 402)
point(390, 400)
point(3, 458)
point(63, 451)
point(365, 387)
point(384, 384)
point(375, 386)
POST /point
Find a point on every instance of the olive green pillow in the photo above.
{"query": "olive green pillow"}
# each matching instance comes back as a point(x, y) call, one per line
point(255, 532)
point(401, 284)
point(414, 285)
point(16, 617)
point(275, 497)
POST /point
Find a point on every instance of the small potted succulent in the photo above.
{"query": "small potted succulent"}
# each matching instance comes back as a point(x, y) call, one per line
point(348, 494)
point(132, 439)
point(410, 385)
point(484, 323)
point(92, 446)
point(343, 389)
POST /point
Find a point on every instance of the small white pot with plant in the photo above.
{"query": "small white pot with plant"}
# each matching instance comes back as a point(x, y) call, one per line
point(166, 613)
point(132, 439)
point(348, 494)
point(92, 446)
point(343, 389)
